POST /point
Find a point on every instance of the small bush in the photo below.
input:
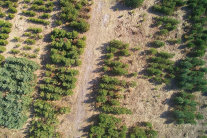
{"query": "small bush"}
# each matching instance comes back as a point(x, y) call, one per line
point(30, 41)
point(27, 47)
point(29, 13)
point(133, 3)
point(2, 58)
point(15, 51)
point(80, 25)
point(45, 16)
point(39, 21)
point(35, 30)
point(158, 43)
point(11, 16)
point(2, 49)
point(3, 42)
point(12, 10)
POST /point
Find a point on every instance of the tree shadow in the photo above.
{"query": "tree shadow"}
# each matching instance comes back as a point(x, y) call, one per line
point(168, 115)
point(87, 128)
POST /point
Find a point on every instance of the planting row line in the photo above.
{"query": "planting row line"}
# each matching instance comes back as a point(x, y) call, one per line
point(110, 91)
point(60, 79)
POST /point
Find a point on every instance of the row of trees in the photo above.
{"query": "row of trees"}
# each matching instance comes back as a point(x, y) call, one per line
point(109, 92)
point(17, 82)
point(185, 108)
point(133, 3)
point(60, 79)
point(39, 11)
point(160, 69)
point(45, 119)
point(5, 29)
point(66, 47)
point(75, 13)
point(166, 24)
point(168, 7)
point(191, 71)
point(9, 8)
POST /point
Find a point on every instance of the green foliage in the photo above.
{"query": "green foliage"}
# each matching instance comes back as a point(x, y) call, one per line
point(190, 75)
point(133, 3)
point(197, 35)
point(3, 42)
point(5, 29)
point(29, 13)
point(11, 16)
point(62, 42)
point(145, 131)
point(70, 12)
point(27, 47)
point(2, 49)
point(167, 23)
point(80, 25)
point(18, 79)
point(185, 108)
point(45, 126)
point(160, 68)
point(158, 43)
point(12, 10)
point(15, 51)
point(2, 58)
point(38, 21)
point(30, 41)
point(168, 7)
point(106, 127)
point(42, 8)
point(45, 16)
point(35, 30)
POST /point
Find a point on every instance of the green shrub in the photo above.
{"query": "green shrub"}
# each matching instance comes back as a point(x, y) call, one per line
point(32, 56)
point(29, 13)
point(35, 30)
point(11, 16)
point(133, 3)
point(152, 51)
point(15, 51)
point(2, 49)
point(45, 16)
point(2, 14)
point(17, 39)
point(12, 10)
point(4, 36)
point(17, 101)
point(2, 59)
point(39, 21)
point(30, 41)
point(80, 25)
point(158, 43)
point(3, 42)
point(27, 47)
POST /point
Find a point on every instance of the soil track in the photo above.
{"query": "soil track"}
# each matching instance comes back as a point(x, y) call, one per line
point(98, 34)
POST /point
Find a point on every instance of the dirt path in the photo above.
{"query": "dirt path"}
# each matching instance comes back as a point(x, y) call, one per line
point(102, 20)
